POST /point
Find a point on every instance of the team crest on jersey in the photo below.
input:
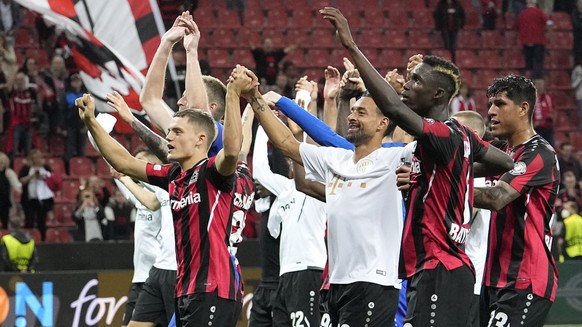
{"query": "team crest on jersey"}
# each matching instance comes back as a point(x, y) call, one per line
point(519, 168)
point(430, 121)
point(364, 165)
point(157, 167)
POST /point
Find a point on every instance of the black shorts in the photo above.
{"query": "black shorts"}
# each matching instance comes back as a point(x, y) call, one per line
point(297, 299)
point(474, 313)
point(262, 308)
point(505, 307)
point(131, 299)
point(156, 301)
point(362, 304)
point(207, 309)
point(440, 297)
point(324, 308)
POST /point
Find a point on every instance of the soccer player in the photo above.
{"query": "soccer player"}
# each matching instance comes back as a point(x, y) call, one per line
point(363, 204)
point(521, 278)
point(202, 193)
point(440, 275)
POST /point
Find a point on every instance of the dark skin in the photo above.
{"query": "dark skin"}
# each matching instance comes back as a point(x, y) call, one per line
point(421, 94)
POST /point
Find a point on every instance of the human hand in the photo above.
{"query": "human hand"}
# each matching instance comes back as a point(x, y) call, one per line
point(337, 19)
point(242, 81)
point(351, 84)
point(332, 82)
point(395, 80)
point(115, 100)
point(303, 84)
point(271, 98)
point(86, 105)
point(115, 174)
point(192, 37)
point(177, 31)
point(403, 178)
point(413, 61)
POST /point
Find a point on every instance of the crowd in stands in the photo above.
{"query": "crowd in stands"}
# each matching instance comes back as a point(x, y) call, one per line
point(41, 133)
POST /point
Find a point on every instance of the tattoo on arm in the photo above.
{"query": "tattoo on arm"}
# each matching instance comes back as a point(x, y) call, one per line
point(154, 142)
point(257, 104)
point(494, 198)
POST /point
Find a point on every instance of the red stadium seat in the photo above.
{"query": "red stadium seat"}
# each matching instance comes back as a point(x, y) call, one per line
point(420, 39)
point(317, 58)
point(559, 59)
point(254, 18)
point(34, 233)
point(205, 18)
point(490, 59)
point(372, 38)
point(136, 143)
point(491, 39)
point(562, 100)
point(69, 192)
point(323, 38)
point(336, 58)
point(422, 19)
point(57, 165)
point(279, 40)
point(468, 39)
point(243, 57)
point(576, 140)
point(467, 59)
point(64, 214)
point(224, 38)
point(273, 4)
point(302, 18)
point(484, 78)
point(441, 53)
point(560, 79)
point(393, 58)
point(513, 59)
point(297, 36)
point(17, 164)
point(560, 40)
point(396, 39)
point(313, 74)
point(372, 55)
point(297, 57)
point(511, 40)
point(473, 20)
point(277, 18)
point(121, 139)
point(565, 122)
point(81, 167)
point(90, 151)
point(374, 19)
point(353, 17)
point(562, 21)
point(218, 58)
point(319, 4)
point(58, 235)
point(415, 4)
point(398, 19)
point(56, 145)
point(24, 39)
point(102, 168)
point(347, 5)
point(229, 18)
point(509, 21)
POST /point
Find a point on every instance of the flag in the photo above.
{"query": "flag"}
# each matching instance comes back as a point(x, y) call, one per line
point(112, 42)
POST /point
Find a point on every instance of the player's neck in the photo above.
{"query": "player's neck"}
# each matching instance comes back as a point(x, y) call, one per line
point(192, 161)
point(521, 135)
point(363, 150)
point(438, 113)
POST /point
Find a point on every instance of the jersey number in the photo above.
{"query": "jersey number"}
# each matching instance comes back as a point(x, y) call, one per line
point(498, 319)
point(297, 319)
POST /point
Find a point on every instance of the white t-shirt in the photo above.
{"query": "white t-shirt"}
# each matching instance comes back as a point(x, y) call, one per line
point(364, 212)
point(146, 231)
point(167, 257)
point(302, 217)
point(476, 244)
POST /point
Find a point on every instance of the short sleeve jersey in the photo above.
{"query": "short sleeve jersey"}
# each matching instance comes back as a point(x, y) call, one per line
point(440, 198)
point(201, 201)
point(520, 236)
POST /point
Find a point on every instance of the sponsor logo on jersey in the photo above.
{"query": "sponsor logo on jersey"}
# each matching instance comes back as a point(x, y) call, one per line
point(519, 168)
point(191, 198)
point(243, 201)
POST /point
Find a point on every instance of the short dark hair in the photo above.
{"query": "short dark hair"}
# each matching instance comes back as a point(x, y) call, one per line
point(564, 144)
point(201, 119)
point(216, 92)
point(391, 125)
point(517, 88)
point(450, 76)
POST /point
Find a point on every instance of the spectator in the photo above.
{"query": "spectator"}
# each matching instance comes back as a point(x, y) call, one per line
point(10, 18)
point(239, 6)
point(570, 191)
point(489, 13)
point(531, 25)
point(543, 116)
point(292, 72)
point(572, 231)
point(10, 189)
point(464, 101)
point(267, 60)
point(37, 198)
point(7, 58)
point(567, 160)
point(577, 31)
point(577, 82)
point(120, 215)
point(75, 129)
point(565, 5)
point(56, 79)
point(449, 18)
point(517, 6)
point(89, 216)
point(18, 250)
point(98, 187)
point(22, 105)
point(46, 95)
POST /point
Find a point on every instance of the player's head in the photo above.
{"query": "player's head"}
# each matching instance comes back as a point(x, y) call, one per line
point(147, 155)
point(191, 133)
point(430, 84)
point(511, 104)
point(267, 44)
point(566, 148)
point(569, 180)
point(216, 93)
point(473, 120)
point(366, 121)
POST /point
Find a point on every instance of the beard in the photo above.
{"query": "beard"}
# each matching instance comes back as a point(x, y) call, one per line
point(357, 138)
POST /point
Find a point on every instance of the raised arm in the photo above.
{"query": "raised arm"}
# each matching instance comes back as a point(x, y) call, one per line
point(156, 143)
point(495, 162)
point(351, 85)
point(151, 97)
point(387, 100)
point(247, 132)
point(262, 172)
point(113, 152)
point(330, 92)
point(495, 197)
point(128, 187)
point(238, 83)
point(195, 91)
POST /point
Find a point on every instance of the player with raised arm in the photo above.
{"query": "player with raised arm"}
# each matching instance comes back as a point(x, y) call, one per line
point(202, 192)
point(440, 274)
point(521, 277)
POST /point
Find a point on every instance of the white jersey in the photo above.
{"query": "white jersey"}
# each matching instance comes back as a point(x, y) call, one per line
point(301, 217)
point(476, 244)
point(147, 228)
point(364, 212)
point(167, 257)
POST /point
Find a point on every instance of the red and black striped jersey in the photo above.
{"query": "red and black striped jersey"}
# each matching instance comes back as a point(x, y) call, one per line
point(202, 203)
point(440, 198)
point(520, 236)
point(20, 106)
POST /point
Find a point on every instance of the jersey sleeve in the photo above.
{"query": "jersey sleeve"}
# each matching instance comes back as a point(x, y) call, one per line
point(531, 168)
point(159, 175)
point(223, 183)
point(314, 162)
point(478, 146)
point(217, 145)
point(315, 128)
point(438, 138)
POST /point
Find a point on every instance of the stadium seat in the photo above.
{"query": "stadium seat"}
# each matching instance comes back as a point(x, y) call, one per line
point(484, 78)
point(64, 214)
point(277, 18)
point(562, 21)
point(102, 168)
point(39, 141)
point(420, 39)
point(136, 143)
point(466, 59)
point(81, 167)
point(323, 38)
point(422, 19)
point(302, 18)
point(513, 59)
point(409, 53)
point(56, 145)
point(468, 39)
point(250, 36)
point(576, 139)
point(372, 38)
point(491, 40)
point(372, 55)
point(205, 18)
point(17, 164)
point(441, 53)
point(24, 39)
point(374, 19)
point(121, 139)
point(509, 21)
point(276, 36)
point(35, 234)
point(57, 165)
point(392, 58)
point(254, 18)
point(473, 20)
point(52, 235)
point(297, 57)
point(559, 59)
point(562, 100)
point(218, 58)
point(353, 17)
point(565, 122)
point(466, 75)
point(560, 40)
point(69, 192)
point(319, 4)
point(415, 4)
point(224, 38)
point(313, 74)
point(347, 5)
point(228, 18)
point(398, 19)
point(243, 57)
point(273, 4)
point(489, 59)
point(336, 58)
point(396, 39)
point(297, 36)
point(90, 151)
point(560, 79)
point(253, 4)
point(317, 58)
